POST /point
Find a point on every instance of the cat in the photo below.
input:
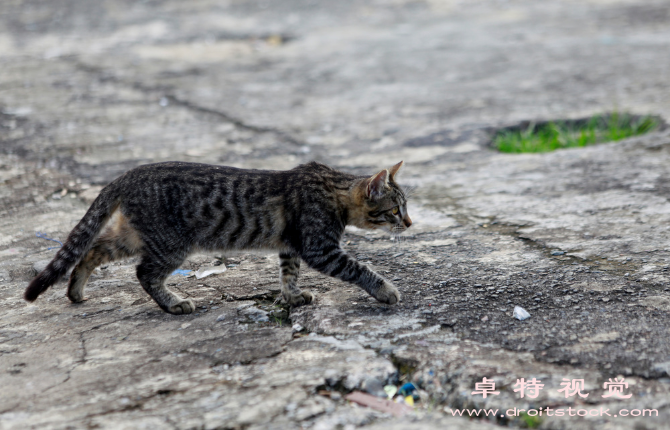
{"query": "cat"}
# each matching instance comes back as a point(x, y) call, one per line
point(165, 211)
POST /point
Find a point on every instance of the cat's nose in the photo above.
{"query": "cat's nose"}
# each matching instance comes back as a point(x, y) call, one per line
point(407, 221)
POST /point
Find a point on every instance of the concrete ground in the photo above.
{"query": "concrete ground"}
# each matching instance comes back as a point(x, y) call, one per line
point(579, 238)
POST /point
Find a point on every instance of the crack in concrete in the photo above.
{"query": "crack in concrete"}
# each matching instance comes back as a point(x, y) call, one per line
point(235, 121)
point(87, 315)
point(566, 260)
point(164, 91)
point(84, 354)
point(465, 217)
point(170, 422)
point(82, 360)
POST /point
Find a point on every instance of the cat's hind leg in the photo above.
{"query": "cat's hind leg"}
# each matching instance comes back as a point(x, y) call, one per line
point(152, 272)
point(119, 241)
point(290, 269)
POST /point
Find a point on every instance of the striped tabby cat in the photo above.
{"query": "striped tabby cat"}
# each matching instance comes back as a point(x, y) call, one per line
point(163, 212)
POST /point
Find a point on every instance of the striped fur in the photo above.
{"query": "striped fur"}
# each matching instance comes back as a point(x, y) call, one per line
point(164, 212)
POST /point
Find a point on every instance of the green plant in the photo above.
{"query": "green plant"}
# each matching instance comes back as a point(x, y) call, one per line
point(278, 320)
point(530, 421)
point(554, 135)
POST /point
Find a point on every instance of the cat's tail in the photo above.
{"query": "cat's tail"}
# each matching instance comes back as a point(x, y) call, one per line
point(78, 242)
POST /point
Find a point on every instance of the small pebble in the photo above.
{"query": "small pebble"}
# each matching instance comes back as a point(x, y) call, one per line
point(520, 313)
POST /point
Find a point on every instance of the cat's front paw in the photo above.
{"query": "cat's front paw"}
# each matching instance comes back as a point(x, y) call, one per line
point(304, 298)
point(182, 308)
point(388, 294)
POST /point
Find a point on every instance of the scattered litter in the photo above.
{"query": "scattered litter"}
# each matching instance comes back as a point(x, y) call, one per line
point(221, 317)
point(557, 252)
point(297, 328)
point(407, 389)
point(520, 313)
point(382, 405)
point(409, 401)
point(182, 272)
point(206, 271)
point(390, 391)
point(44, 236)
point(398, 254)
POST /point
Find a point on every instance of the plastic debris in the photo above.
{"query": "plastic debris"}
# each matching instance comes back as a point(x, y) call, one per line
point(409, 401)
point(520, 313)
point(221, 317)
point(407, 389)
point(297, 328)
point(206, 271)
point(557, 252)
point(382, 405)
point(44, 236)
point(390, 391)
point(182, 272)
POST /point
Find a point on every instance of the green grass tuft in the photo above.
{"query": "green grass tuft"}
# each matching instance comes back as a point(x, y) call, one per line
point(573, 134)
point(529, 421)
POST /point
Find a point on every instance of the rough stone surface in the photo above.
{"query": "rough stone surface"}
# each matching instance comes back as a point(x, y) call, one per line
point(579, 237)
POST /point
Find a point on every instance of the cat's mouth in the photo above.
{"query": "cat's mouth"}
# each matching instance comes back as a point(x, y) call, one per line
point(397, 228)
point(401, 226)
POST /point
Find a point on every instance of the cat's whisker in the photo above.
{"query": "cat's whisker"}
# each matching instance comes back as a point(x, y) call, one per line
point(408, 190)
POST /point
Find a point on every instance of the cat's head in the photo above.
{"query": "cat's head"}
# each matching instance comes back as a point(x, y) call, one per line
point(384, 204)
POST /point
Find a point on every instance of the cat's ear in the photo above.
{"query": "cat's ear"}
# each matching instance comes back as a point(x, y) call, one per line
point(377, 184)
point(393, 170)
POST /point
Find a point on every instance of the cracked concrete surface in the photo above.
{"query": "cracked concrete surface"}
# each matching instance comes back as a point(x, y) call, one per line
point(578, 237)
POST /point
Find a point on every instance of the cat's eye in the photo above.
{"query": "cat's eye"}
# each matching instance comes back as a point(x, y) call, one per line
point(395, 210)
